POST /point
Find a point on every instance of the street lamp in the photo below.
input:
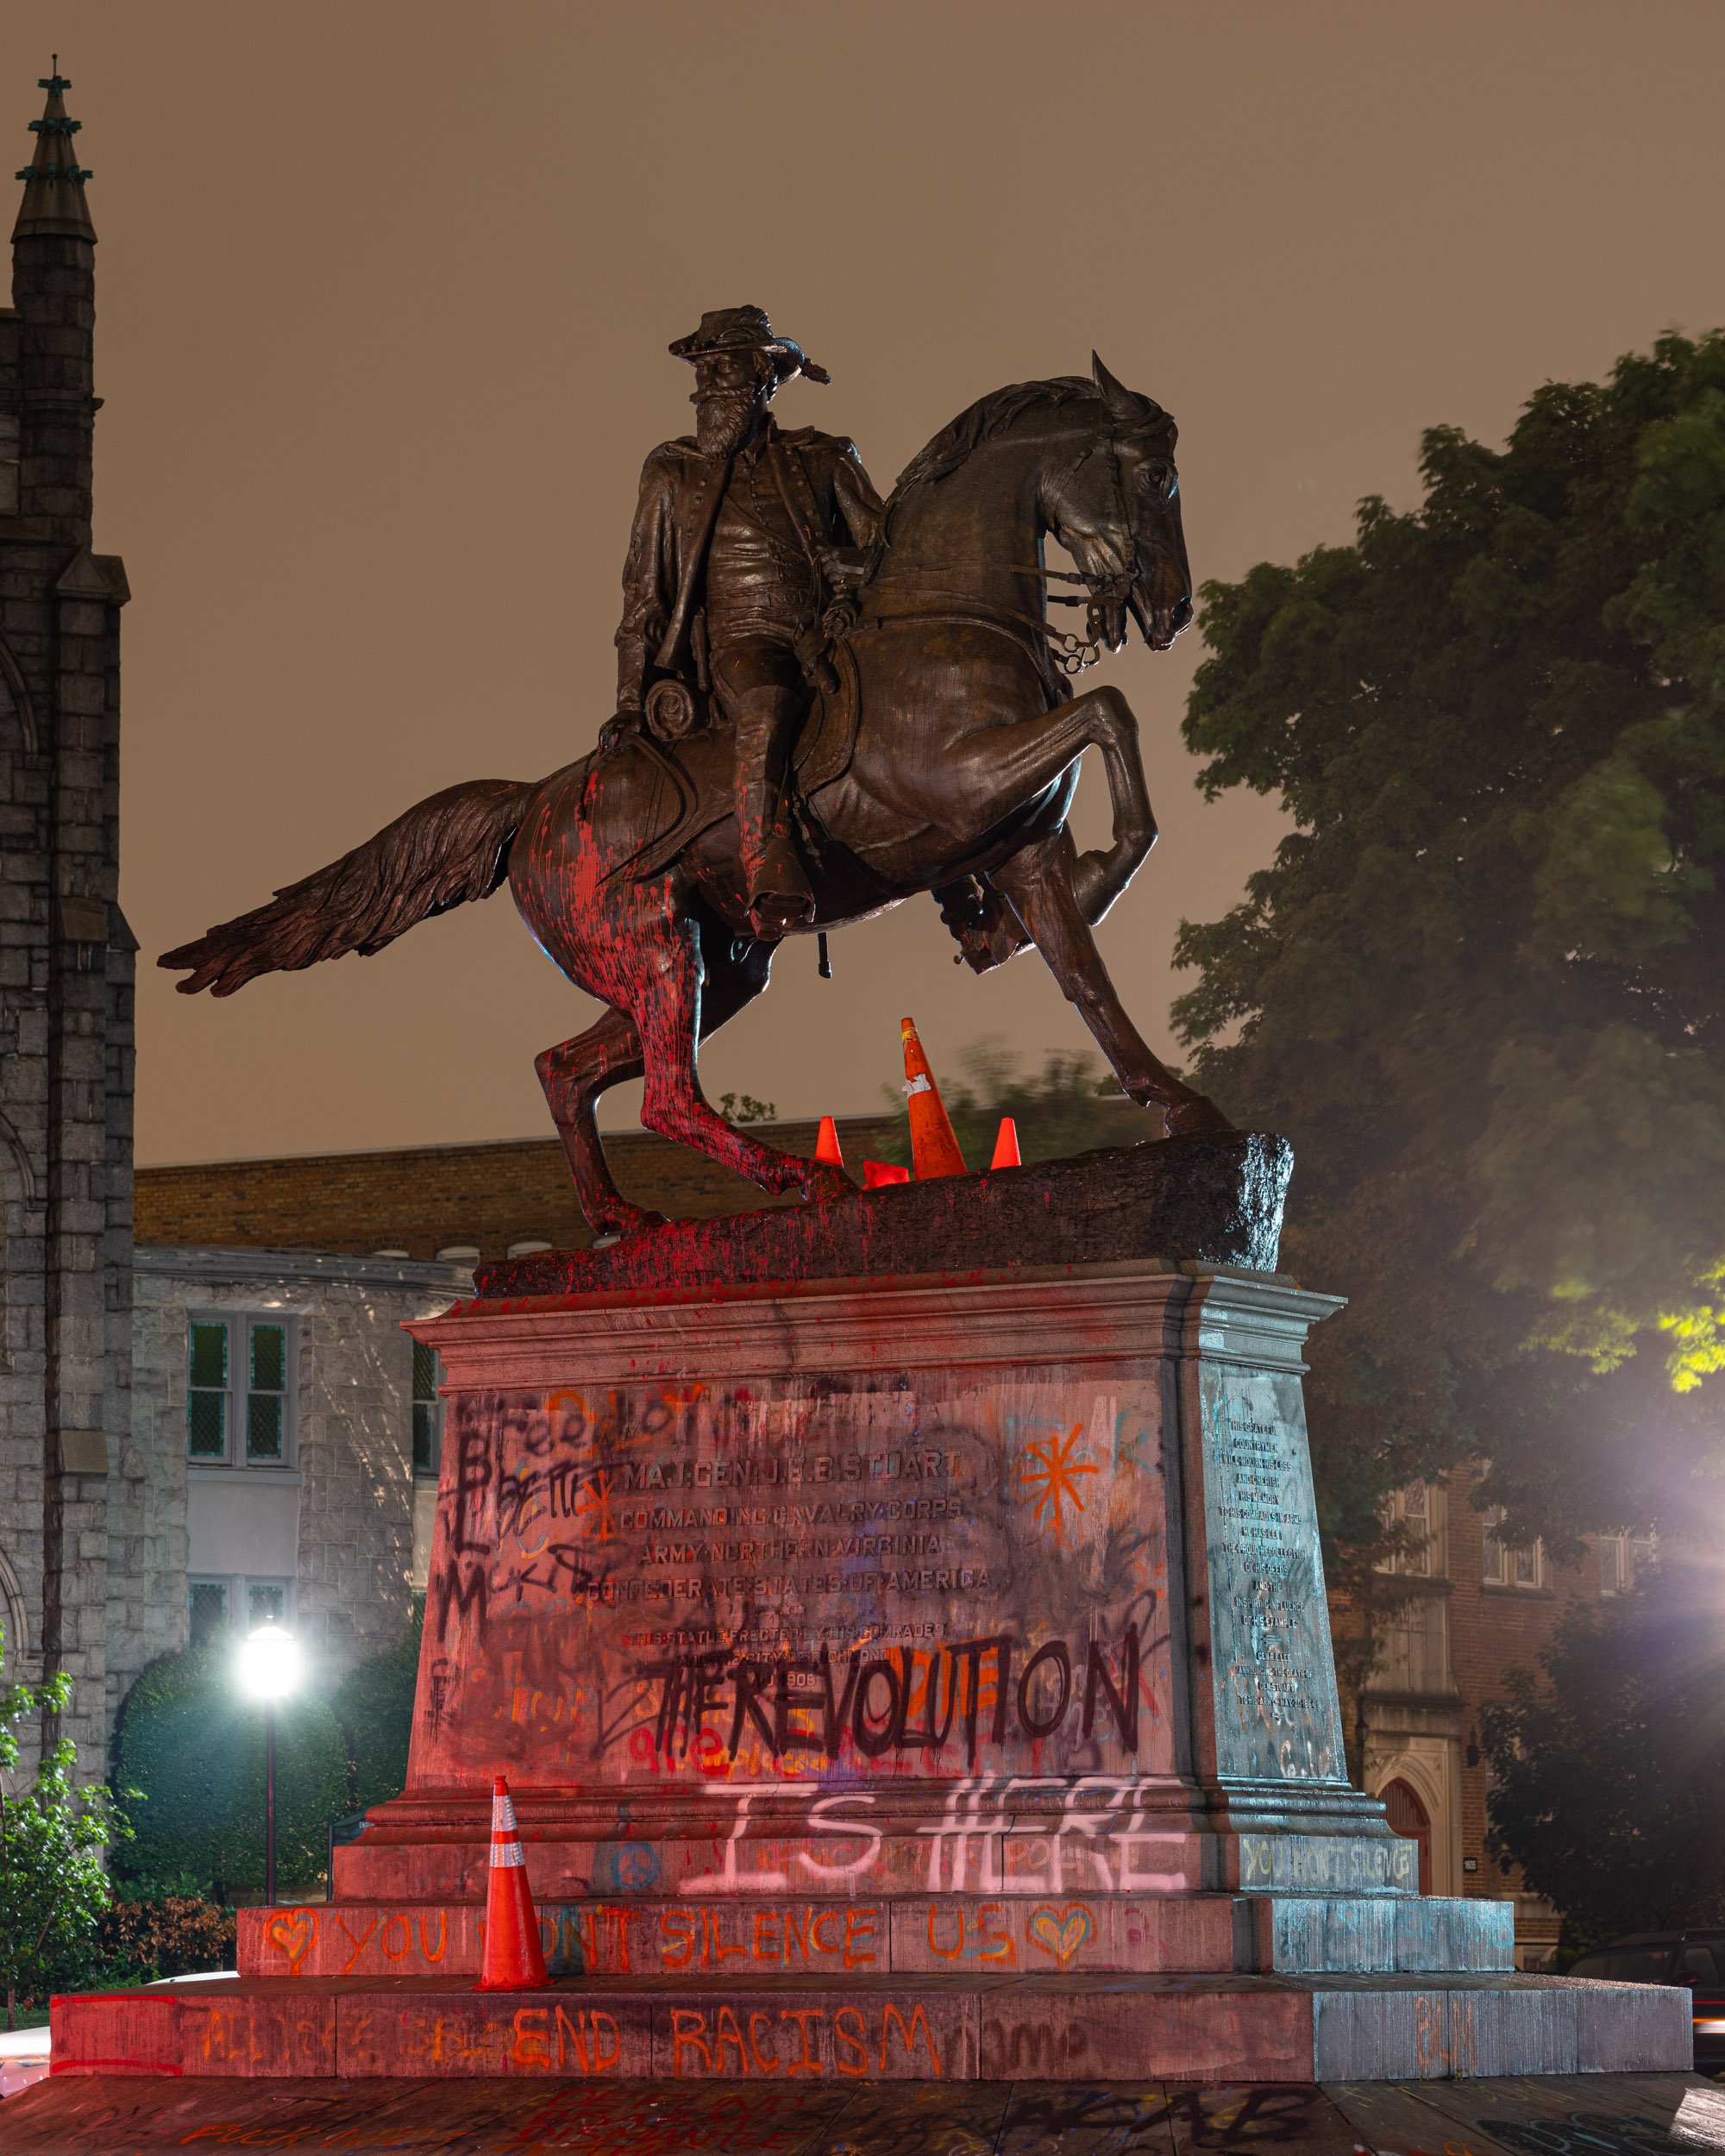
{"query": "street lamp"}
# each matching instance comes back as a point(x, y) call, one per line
point(269, 1670)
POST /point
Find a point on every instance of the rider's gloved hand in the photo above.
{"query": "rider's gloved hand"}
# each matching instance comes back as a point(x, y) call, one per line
point(626, 719)
point(844, 567)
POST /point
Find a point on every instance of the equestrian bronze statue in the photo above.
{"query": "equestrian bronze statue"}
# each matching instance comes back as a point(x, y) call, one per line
point(825, 706)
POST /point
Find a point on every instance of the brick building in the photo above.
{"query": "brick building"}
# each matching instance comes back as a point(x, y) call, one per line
point(461, 1202)
point(1467, 1608)
point(71, 1524)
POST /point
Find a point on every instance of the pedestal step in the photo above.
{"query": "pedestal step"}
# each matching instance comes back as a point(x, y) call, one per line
point(875, 2027)
point(733, 1942)
point(1115, 1850)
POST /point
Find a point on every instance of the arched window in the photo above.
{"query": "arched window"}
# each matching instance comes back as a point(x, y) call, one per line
point(1409, 1817)
point(14, 1648)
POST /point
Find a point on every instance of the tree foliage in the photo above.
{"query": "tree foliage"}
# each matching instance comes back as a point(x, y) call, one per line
point(194, 1748)
point(1069, 1105)
point(374, 1705)
point(1481, 987)
point(1610, 1775)
point(53, 1890)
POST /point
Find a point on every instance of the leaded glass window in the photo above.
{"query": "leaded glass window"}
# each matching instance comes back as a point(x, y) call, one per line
point(428, 1410)
point(266, 1402)
point(239, 1391)
point(206, 1409)
point(208, 1601)
point(1503, 1565)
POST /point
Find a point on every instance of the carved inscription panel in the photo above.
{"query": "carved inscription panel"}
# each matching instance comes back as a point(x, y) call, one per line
point(832, 1582)
point(1277, 1717)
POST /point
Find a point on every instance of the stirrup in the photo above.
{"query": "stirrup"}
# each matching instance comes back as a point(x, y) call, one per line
point(775, 913)
point(779, 887)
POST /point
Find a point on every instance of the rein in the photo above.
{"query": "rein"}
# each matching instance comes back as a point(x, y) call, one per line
point(1070, 652)
point(1067, 650)
point(1012, 568)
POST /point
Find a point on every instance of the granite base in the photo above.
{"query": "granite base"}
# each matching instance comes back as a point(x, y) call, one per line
point(917, 1678)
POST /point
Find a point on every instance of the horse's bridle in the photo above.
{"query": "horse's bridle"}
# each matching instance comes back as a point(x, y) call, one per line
point(1069, 653)
point(1072, 654)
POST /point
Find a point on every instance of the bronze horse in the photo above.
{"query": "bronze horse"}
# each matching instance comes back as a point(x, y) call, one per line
point(957, 742)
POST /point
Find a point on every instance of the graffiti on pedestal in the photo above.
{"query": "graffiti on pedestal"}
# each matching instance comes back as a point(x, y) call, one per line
point(843, 1581)
point(762, 1937)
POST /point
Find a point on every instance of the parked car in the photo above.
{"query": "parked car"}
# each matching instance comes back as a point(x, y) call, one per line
point(1695, 1959)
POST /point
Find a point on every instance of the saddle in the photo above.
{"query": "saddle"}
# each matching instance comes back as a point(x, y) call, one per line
point(688, 743)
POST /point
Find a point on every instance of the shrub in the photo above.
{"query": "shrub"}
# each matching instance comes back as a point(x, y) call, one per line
point(53, 1889)
point(179, 1936)
point(374, 1706)
point(194, 1749)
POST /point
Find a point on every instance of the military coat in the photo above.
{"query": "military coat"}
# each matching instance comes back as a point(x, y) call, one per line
point(681, 494)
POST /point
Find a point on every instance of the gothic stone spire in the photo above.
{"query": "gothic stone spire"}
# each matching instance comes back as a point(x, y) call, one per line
point(53, 204)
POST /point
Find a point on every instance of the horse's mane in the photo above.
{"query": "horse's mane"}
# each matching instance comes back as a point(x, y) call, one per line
point(989, 417)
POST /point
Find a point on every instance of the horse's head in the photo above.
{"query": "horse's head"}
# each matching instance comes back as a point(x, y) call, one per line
point(1116, 511)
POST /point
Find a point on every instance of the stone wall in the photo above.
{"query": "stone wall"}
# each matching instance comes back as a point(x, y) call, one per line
point(66, 978)
point(352, 1464)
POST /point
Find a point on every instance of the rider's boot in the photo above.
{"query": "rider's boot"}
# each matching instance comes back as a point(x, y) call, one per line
point(983, 925)
point(778, 891)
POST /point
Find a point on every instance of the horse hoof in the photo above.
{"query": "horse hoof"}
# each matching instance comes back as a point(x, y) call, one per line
point(827, 1185)
point(619, 1226)
point(1197, 1114)
point(984, 946)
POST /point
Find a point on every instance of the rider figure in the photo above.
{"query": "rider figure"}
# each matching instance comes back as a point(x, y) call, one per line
point(747, 541)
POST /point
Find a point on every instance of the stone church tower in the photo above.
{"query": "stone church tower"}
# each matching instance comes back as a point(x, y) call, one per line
point(71, 1547)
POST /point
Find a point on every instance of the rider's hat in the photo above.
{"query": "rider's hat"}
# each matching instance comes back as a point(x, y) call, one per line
point(747, 329)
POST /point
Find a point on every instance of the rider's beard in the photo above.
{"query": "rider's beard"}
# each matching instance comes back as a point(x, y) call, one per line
point(723, 421)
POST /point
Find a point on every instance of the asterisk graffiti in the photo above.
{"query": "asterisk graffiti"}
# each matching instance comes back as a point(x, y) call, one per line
point(1048, 1475)
point(592, 1506)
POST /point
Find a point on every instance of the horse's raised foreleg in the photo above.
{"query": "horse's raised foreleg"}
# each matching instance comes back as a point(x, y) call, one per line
point(1039, 883)
point(996, 770)
point(671, 1014)
point(1025, 758)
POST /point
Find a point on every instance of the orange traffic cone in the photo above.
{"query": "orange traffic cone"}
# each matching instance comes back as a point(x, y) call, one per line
point(1006, 1153)
point(826, 1145)
point(876, 1174)
point(934, 1148)
point(514, 1960)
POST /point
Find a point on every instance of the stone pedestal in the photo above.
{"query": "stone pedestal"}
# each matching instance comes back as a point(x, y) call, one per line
point(995, 1585)
point(926, 1677)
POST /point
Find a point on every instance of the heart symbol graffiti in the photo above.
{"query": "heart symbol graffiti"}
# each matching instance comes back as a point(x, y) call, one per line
point(292, 1936)
point(1061, 1932)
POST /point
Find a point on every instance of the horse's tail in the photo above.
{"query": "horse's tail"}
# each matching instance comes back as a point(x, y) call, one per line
point(441, 852)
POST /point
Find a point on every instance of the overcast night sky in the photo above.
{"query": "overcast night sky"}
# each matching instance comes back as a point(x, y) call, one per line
point(384, 293)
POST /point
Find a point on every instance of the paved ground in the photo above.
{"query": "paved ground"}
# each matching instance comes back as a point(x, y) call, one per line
point(1593, 2115)
point(23, 2059)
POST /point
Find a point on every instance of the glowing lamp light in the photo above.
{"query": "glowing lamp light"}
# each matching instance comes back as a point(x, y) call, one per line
point(269, 1663)
point(269, 1670)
